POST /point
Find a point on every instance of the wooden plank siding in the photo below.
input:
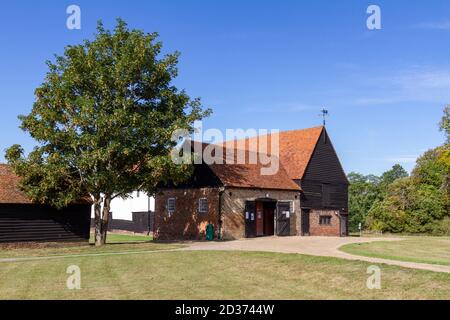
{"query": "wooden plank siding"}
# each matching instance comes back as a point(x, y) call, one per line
point(324, 184)
point(40, 223)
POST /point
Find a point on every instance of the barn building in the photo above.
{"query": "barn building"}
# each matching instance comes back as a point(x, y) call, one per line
point(21, 220)
point(308, 195)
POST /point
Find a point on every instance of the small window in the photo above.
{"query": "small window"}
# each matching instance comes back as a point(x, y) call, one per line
point(171, 204)
point(325, 220)
point(203, 205)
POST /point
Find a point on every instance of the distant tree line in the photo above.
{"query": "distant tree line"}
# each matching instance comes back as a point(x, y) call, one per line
point(401, 203)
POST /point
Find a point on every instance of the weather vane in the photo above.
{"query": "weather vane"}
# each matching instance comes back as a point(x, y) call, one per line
point(324, 115)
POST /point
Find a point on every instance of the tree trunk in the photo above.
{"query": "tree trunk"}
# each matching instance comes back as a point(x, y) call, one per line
point(105, 218)
point(98, 221)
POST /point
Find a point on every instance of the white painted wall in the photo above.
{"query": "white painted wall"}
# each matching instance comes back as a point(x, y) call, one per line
point(137, 202)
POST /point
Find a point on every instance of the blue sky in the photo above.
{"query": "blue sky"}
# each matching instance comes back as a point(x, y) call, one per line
point(267, 64)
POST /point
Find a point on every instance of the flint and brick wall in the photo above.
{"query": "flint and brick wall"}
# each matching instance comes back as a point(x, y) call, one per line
point(233, 209)
point(316, 229)
point(186, 223)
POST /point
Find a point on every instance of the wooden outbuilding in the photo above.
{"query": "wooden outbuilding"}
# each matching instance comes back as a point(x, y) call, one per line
point(21, 220)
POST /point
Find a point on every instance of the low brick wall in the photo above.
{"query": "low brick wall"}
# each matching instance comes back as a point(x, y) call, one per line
point(316, 229)
point(186, 223)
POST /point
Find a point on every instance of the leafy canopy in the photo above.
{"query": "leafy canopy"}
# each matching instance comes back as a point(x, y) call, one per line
point(397, 172)
point(415, 204)
point(366, 191)
point(363, 192)
point(103, 119)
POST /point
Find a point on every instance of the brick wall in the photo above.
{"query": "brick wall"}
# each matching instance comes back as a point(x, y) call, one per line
point(233, 209)
point(186, 222)
point(316, 229)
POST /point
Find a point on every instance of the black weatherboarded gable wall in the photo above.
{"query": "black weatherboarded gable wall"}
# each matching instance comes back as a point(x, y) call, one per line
point(40, 223)
point(324, 183)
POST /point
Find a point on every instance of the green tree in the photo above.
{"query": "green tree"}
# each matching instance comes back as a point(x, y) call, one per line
point(407, 208)
point(419, 203)
point(414, 204)
point(444, 125)
point(388, 177)
point(103, 119)
point(444, 156)
point(428, 207)
point(432, 169)
point(363, 193)
point(367, 191)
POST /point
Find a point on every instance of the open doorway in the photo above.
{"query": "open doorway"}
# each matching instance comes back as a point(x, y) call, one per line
point(344, 225)
point(305, 222)
point(260, 216)
point(265, 217)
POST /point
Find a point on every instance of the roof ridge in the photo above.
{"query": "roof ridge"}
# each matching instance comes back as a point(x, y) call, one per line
point(261, 135)
point(280, 132)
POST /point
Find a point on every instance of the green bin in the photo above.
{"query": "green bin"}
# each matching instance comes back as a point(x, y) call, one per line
point(210, 232)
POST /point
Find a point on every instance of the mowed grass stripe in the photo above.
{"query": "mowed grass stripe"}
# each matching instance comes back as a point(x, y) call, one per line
point(431, 250)
point(105, 254)
point(217, 275)
point(85, 250)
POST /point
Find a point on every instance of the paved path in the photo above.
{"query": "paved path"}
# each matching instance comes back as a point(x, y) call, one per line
point(316, 246)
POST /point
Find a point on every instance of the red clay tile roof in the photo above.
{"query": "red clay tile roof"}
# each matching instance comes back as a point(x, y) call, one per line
point(295, 149)
point(247, 175)
point(9, 190)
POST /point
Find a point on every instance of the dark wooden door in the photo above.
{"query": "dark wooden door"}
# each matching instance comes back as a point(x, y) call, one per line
point(259, 219)
point(305, 222)
point(269, 220)
point(344, 226)
point(250, 219)
point(283, 219)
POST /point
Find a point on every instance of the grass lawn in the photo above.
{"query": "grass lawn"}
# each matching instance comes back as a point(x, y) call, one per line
point(215, 275)
point(117, 243)
point(432, 250)
point(123, 238)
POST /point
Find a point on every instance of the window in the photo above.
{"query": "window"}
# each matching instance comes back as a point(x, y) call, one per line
point(171, 204)
point(203, 205)
point(325, 220)
point(287, 206)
